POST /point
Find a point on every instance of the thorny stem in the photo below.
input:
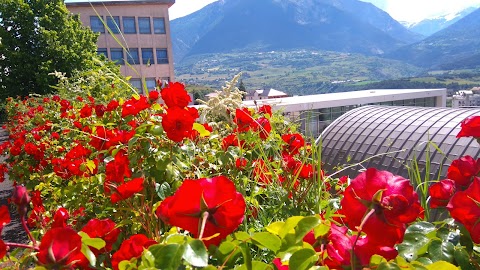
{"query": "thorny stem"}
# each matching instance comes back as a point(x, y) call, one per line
point(17, 245)
point(24, 225)
point(204, 222)
point(359, 231)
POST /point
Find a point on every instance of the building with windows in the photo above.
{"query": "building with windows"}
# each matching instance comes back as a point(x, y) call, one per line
point(133, 33)
point(315, 112)
point(466, 98)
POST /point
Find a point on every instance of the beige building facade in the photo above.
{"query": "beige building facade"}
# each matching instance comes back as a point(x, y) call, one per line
point(134, 34)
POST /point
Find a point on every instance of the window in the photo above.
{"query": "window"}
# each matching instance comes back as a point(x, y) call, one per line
point(147, 56)
point(96, 24)
point(102, 51)
point(159, 25)
point(136, 83)
point(117, 55)
point(162, 56)
point(129, 26)
point(144, 25)
point(133, 57)
point(151, 83)
point(113, 24)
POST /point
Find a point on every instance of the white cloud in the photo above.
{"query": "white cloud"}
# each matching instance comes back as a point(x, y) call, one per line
point(417, 10)
point(184, 7)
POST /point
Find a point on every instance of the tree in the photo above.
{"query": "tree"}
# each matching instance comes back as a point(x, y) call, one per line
point(38, 37)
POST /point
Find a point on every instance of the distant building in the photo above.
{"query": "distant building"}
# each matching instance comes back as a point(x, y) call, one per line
point(466, 98)
point(315, 112)
point(265, 94)
point(137, 36)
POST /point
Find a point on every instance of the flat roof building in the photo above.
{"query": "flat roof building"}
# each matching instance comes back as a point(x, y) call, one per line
point(315, 112)
point(135, 34)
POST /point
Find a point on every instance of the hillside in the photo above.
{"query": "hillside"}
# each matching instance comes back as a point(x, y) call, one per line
point(264, 25)
point(456, 43)
point(292, 71)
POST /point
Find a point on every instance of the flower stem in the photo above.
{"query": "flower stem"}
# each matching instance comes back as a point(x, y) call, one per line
point(17, 245)
point(202, 226)
point(359, 231)
point(25, 227)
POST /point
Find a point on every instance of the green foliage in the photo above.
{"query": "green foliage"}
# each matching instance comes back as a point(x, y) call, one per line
point(39, 37)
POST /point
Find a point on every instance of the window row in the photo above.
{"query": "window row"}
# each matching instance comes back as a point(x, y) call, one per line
point(150, 83)
point(128, 25)
point(132, 55)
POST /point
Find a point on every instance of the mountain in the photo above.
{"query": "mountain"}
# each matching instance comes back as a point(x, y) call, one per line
point(263, 25)
point(454, 44)
point(430, 26)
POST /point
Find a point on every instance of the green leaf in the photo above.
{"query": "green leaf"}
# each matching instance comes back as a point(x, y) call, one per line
point(463, 258)
point(304, 226)
point(92, 259)
point(414, 245)
point(201, 130)
point(275, 227)
point(196, 253)
point(167, 256)
point(441, 251)
point(441, 265)
point(268, 240)
point(376, 260)
point(97, 243)
point(388, 266)
point(420, 227)
point(289, 225)
point(147, 259)
point(242, 236)
point(302, 259)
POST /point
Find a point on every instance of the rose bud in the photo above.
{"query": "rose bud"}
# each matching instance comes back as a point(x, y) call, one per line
point(21, 198)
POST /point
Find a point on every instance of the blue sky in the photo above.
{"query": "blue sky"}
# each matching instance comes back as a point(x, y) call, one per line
point(402, 10)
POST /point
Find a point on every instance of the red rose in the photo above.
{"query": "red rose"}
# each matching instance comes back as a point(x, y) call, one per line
point(112, 105)
point(231, 140)
point(294, 143)
point(303, 170)
point(463, 170)
point(60, 218)
point(213, 198)
point(153, 95)
point(127, 190)
point(60, 247)
point(21, 199)
point(265, 109)
point(241, 163)
point(470, 127)
point(464, 208)
point(4, 217)
point(243, 119)
point(133, 106)
point(131, 248)
point(177, 123)
point(366, 248)
point(336, 244)
point(104, 229)
point(279, 265)
point(100, 110)
point(441, 192)
point(3, 249)
point(262, 125)
point(174, 95)
point(393, 199)
point(86, 111)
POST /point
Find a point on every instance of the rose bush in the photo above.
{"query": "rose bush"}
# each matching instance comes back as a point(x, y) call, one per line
point(132, 184)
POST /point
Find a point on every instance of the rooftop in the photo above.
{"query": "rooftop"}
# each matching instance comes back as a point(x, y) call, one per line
point(312, 102)
point(116, 2)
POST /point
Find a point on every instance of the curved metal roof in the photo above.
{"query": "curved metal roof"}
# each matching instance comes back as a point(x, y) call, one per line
point(387, 138)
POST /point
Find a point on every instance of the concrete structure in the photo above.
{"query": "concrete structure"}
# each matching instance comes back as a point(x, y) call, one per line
point(466, 98)
point(135, 34)
point(315, 112)
point(391, 137)
point(265, 94)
